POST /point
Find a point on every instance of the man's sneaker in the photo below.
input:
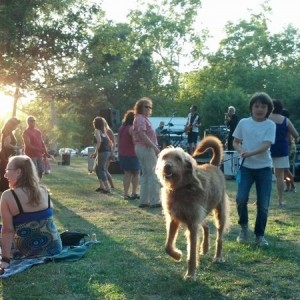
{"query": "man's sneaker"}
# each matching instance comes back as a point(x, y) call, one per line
point(261, 241)
point(243, 236)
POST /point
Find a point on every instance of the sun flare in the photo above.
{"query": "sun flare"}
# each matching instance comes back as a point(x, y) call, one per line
point(6, 105)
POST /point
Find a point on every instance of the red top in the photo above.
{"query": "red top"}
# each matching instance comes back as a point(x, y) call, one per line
point(125, 142)
point(36, 140)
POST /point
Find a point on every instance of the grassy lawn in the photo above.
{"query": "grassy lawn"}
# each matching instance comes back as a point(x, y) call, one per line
point(130, 262)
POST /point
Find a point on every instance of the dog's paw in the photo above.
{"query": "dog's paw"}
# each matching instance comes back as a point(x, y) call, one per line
point(175, 254)
point(218, 260)
point(189, 277)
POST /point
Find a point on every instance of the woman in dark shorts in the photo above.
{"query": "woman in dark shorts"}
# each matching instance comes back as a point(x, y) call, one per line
point(129, 162)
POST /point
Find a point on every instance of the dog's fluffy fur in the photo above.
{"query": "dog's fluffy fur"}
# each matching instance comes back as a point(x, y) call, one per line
point(189, 193)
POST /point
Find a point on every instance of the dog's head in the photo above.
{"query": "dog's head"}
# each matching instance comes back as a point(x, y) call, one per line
point(174, 167)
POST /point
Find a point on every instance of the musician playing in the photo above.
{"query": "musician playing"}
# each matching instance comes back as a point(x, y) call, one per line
point(192, 128)
point(231, 121)
point(161, 135)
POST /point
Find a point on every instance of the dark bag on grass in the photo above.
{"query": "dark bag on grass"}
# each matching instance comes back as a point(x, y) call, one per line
point(72, 238)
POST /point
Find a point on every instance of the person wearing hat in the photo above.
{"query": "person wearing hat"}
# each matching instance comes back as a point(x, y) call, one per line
point(8, 148)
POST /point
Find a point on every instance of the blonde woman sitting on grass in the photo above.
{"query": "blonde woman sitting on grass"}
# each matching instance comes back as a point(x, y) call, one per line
point(27, 215)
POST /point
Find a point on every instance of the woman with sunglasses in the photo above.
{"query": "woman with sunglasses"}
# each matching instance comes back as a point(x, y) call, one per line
point(27, 215)
point(146, 149)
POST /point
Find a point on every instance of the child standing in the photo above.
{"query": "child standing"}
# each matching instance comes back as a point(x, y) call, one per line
point(253, 137)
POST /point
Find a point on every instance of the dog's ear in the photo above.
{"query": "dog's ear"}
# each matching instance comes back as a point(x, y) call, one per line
point(188, 166)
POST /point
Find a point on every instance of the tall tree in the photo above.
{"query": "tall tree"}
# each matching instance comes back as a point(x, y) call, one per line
point(249, 59)
point(165, 28)
point(33, 32)
point(119, 71)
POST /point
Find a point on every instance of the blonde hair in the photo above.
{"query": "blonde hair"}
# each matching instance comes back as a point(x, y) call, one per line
point(10, 125)
point(106, 126)
point(29, 179)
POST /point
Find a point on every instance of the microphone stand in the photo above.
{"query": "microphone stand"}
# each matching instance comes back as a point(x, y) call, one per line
point(169, 125)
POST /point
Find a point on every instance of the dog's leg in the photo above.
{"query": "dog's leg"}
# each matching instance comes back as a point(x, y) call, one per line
point(219, 244)
point(193, 242)
point(172, 231)
point(205, 240)
point(220, 220)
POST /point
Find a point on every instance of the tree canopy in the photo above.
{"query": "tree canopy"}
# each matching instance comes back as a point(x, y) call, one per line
point(78, 63)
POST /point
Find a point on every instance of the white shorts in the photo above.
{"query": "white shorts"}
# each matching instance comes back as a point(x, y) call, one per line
point(282, 162)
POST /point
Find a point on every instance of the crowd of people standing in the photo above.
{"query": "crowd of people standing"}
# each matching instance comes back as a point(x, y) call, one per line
point(263, 140)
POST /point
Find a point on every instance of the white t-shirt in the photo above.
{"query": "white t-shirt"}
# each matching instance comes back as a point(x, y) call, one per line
point(195, 122)
point(252, 134)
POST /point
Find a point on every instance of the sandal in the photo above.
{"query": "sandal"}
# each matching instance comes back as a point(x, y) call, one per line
point(105, 192)
point(99, 189)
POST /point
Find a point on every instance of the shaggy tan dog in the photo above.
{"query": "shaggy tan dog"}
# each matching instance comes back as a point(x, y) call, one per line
point(189, 193)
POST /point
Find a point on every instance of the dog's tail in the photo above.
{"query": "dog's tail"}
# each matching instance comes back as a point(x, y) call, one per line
point(211, 142)
point(222, 214)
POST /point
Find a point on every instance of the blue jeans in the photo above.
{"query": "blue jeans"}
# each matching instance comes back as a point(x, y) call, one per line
point(100, 165)
point(263, 182)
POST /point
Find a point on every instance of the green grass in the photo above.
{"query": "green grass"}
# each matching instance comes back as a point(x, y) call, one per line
point(130, 262)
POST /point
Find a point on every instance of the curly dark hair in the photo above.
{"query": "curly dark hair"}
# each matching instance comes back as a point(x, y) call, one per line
point(128, 117)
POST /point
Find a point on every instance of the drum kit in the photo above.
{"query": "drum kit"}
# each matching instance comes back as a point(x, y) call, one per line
point(220, 131)
point(169, 137)
point(178, 138)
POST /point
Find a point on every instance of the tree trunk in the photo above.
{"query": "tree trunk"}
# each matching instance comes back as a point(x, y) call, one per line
point(16, 98)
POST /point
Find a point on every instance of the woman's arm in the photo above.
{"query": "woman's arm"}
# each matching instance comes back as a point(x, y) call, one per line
point(98, 139)
point(146, 139)
point(7, 144)
point(7, 232)
point(292, 130)
point(111, 137)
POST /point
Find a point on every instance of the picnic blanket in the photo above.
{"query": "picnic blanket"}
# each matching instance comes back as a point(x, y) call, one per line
point(68, 254)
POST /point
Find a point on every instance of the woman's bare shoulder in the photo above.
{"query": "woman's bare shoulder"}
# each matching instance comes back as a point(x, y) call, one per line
point(6, 195)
